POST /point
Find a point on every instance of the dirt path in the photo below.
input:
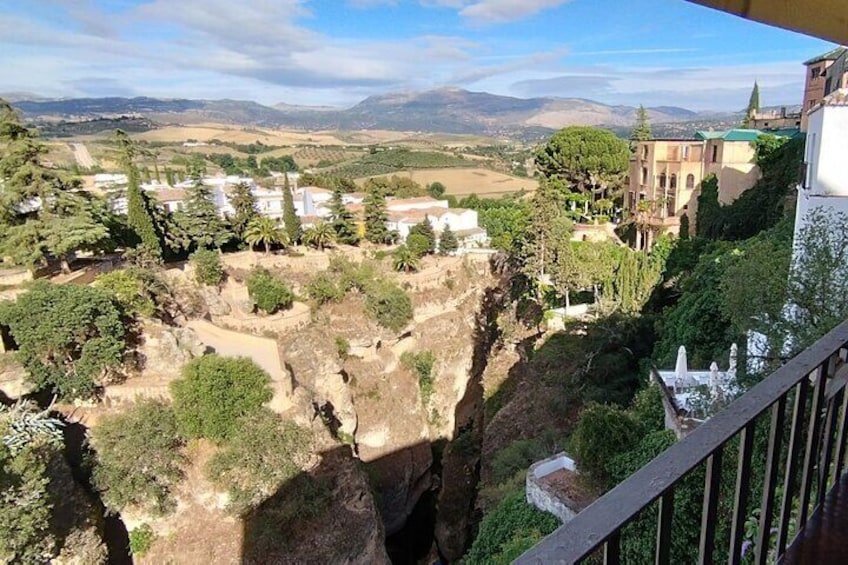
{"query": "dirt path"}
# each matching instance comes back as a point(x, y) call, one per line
point(262, 350)
point(82, 155)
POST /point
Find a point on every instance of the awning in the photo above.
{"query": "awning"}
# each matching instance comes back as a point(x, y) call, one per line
point(827, 19)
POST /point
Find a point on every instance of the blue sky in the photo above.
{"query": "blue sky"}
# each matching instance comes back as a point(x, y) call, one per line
point(337, 52)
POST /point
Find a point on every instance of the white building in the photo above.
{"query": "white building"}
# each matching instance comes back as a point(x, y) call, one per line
point(110, 181)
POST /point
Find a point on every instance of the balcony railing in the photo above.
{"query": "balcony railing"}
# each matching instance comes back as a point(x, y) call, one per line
point(803, 405)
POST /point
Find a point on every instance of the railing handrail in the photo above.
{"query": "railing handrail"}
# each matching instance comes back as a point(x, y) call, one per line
point(591, 527)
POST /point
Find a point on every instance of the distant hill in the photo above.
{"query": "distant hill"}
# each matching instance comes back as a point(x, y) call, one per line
point(444, 110)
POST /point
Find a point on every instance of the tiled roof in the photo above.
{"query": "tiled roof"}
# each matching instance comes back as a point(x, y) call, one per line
point(415, 200)
point(831, 55)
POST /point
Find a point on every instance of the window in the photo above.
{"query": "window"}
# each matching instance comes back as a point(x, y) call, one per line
point(813, 102)
point(673, 182)
point(662, 180)
point(671, 202)
point(815, 72)
point(684, 150)
point(644, 152)
point(631, 200)
point(715, 154)
point(690, 181)
point(644, 175)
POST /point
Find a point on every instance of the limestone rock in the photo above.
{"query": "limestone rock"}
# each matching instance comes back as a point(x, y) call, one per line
point(165, 349)
point(215, 304)
point(332, 388)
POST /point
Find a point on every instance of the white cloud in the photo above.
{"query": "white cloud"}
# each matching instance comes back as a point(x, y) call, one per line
point(483, 12)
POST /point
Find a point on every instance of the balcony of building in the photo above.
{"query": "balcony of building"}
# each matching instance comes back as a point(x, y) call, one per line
point(772, 466)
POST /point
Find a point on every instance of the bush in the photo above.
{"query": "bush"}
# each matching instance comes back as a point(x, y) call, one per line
point(263, 453)
point(67, 335)
point(421, 364)
point(342, 347)
point(602, 433)
point(418, 244)
point(323, 288)
point(131, 289)
point(270, 293)
point(515, 457)
point(215, 392)
point(389, 305)
point(138, 460)
point(509, 530)
point(207, 267)
point(141, 540)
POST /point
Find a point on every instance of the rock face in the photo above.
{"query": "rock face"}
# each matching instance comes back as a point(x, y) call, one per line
point(215, 304)
point(166, 349)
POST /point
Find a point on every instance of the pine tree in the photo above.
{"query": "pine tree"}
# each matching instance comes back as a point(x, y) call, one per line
point(425, 229)
point(290, 217)
point(642, 129)
point(244, 208)
point(200, 221)
point(40, 215)
point(139, 217)
point(753, 106)
point(448, 242)
point(342, 220)
point(376, 217)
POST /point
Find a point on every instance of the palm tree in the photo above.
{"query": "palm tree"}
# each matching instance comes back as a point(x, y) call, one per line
point(405, 259)
point(319, 236)
point(266, 231)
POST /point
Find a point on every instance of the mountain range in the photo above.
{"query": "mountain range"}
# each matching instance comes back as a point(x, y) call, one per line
point(444, 110)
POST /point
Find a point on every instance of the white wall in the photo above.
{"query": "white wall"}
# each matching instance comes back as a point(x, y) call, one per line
point(827, 150)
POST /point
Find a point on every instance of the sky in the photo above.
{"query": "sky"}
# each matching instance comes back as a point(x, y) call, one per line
point(337, 52)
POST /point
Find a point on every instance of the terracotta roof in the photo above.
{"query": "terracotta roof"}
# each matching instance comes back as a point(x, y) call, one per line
point(416, 200)
point(170, 194)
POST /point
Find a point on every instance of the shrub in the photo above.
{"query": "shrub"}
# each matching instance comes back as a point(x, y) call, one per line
point(131, 289)
point(418, 244)
point(141, 540)
point(342, 347)
point(207, 267)
point(389, 305)
point(215, 392)
point(323, 289)
point(509, 530)
point(67, 335)
point(602, 433)
point(515, 457)
point(421, 364)
point(138, 457)
point(263, 453)
point(270, 293)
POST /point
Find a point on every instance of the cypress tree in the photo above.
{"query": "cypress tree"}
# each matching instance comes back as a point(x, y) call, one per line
point(642, 130)
point(448, 242)
point(376, 217)
point(342, 220)
point(753, 106)
point(139, 217)
point(244, 205)
point(290, 218)
point(684, 227)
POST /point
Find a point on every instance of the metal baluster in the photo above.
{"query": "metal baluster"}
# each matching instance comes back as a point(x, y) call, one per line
point(712, 484)
point(743, 484)
point(811, 452)
point(612, 549)
point(663, 554)
point(792, 463)
point(772, 463)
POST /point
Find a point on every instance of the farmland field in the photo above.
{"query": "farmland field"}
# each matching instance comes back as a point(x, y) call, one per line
point(462, 182)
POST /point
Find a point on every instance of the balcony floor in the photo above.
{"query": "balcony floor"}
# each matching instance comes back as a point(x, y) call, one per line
point(825, 539)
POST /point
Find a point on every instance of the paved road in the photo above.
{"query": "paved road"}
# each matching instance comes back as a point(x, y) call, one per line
point(82, 155)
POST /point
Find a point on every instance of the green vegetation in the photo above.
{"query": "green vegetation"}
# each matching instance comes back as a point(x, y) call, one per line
point(138, 459)
point(132, 288)
point(425, 229)
point(323, 288)
point(266, 231)
point(69, 336)
point(342, 347)
point(342, 220)
point(601, 432)
point(388, 304)
point(376, 217)
point(141, 540)
point(263, 452)
point(506, 220)
point(139, 217)
point(393, 160)
point(320, 236)
point(406, 258)
point(29, 485)
point(268, 292)
point(207, 267)
point(447, 241)
point(421, 363)
point(642, 129)
point(244, 203)
point(508, 531)
point(198, 224)
point(215, 392)
point(290, 218)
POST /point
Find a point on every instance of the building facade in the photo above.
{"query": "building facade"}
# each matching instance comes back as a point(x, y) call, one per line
point(825, 74)
point(666, 177)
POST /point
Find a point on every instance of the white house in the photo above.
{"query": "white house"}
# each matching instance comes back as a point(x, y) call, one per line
point(110, 181)
point(462, 222)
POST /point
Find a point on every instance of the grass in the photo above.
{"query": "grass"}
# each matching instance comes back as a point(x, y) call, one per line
point(463, 182)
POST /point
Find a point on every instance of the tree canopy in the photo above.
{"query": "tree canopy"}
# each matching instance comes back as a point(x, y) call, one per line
point(642, 129)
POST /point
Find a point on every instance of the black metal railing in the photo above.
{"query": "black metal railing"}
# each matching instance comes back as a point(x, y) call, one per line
point(804, 400)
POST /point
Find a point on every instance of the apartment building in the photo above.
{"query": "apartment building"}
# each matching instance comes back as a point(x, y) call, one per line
point(825, 74)
point(666, 177)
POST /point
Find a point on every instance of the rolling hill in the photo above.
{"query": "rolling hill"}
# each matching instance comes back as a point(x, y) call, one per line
point(445, 110)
